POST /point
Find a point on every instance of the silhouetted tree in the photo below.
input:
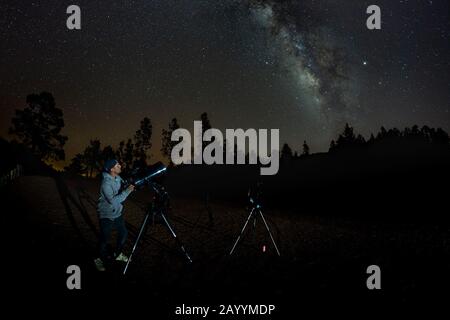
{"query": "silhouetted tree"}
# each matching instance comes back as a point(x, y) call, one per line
point(347, 138)
point(423, 135)
point(77, 165)
point(305, 151)
point(90, 161)
point(286, 152)
point(415, 130)
point(382, 134)
point(92, 157)
point(128, 155)
point(38, 126)
point(142, 142)
point(360, 141)
point(406, 132)
point(332, 145)
point(440, 136)
point(393, 133)
point(167, 143)
point(120, 152)
point(206, 124)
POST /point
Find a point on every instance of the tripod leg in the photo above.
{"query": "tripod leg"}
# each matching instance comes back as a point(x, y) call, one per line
point(242, 231)
point(141, 231)
point(175, 236)
point(270, 233)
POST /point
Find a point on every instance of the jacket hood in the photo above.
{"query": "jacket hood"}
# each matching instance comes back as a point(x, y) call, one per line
point(106, 175)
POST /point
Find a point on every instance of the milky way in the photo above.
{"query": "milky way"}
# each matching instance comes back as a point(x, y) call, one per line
point(314, 59)
point(305, 67)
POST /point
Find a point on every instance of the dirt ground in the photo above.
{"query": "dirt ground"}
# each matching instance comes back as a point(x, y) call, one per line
point(53, 223)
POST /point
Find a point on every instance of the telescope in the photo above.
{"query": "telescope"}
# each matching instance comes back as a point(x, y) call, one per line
point(158, 208)
point(142, 176)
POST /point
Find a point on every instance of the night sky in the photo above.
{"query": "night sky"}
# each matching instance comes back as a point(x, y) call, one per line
point(305, 67)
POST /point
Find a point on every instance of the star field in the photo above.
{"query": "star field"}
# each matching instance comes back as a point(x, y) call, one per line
point(305, 67)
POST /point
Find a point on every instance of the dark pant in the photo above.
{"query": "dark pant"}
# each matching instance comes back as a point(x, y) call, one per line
point(106, 226)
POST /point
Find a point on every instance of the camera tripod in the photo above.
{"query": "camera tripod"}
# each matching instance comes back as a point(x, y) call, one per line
point(158, 209)
point(255, 211)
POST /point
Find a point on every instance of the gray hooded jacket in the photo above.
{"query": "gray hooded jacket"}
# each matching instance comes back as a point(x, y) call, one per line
point(110, 200)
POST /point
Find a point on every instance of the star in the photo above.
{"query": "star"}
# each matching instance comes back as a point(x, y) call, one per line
point(227, 60)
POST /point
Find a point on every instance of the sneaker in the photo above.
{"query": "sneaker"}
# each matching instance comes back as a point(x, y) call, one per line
point(122, 257)
point(99, 264)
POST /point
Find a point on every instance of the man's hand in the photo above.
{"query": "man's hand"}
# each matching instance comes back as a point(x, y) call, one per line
point(131, 188)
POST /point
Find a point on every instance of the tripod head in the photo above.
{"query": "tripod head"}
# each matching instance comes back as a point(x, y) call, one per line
point(149, 177)
point(254, 195)
point(161, 197)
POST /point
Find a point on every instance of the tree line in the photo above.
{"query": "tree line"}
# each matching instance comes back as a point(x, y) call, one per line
point(349, 140)
point(38, 126)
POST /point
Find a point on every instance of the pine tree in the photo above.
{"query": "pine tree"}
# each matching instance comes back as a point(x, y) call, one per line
point(305, 151)
point(39, 125)
point(286, 152)
point(206, 124)
point(77, 165)
point(332, 146)
point(142, 143)
point(92, 157)
point(128, 155)
point(167, 143)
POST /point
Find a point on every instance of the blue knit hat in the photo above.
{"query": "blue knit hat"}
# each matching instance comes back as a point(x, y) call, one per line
point(109, 164)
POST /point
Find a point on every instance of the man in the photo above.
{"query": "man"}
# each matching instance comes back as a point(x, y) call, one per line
point(109, 209)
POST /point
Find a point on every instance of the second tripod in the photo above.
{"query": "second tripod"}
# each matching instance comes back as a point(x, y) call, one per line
point(255, 211)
